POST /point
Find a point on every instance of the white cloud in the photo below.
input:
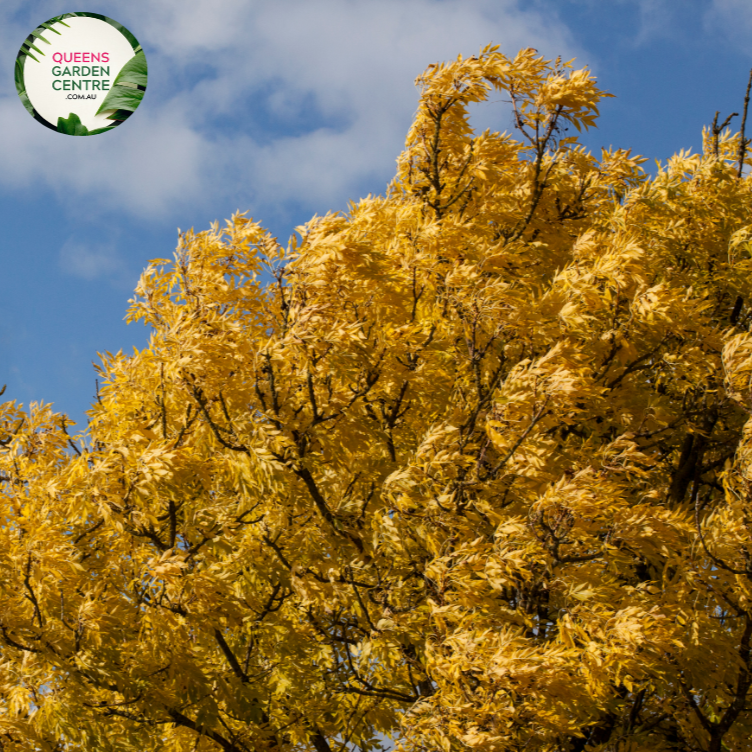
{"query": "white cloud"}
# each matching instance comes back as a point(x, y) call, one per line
point(143, 167)
point(732, 18)
point(656, 20)
point(267, 103)
point(89, 261)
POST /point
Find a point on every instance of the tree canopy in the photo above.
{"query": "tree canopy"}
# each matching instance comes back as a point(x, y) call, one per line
point(468, 466)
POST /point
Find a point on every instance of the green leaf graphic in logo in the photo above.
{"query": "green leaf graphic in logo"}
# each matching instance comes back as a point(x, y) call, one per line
point(21, 89)
point(37, 34)
point(72, 126)
point(128, 88)
point(24, 53)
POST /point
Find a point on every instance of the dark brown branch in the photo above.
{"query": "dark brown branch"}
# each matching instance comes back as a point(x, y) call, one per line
point(536, 417)
point(151, 534)
point(198, 396)
point(82, 535)
point(320, 742)
point(744, 142)
point(183, 720)
point(744, 681)
point(636, 365)
point(70, 441)
point(17, 645)
point(173, 523)
point(305, 475)
point(540, 150)
point(734, 317)
point(277, 550)
point(360, 602)
point(716, 130)
point(31, 594)
point(231, 659)
point(163, 404)
point(189, 419)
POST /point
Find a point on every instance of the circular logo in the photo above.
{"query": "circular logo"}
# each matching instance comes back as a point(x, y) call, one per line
point(81, 74)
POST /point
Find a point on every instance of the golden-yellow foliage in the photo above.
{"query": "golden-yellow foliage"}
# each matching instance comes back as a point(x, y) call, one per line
point(474, 470)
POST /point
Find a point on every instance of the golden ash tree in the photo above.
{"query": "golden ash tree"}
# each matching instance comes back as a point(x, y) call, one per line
point(474, 471)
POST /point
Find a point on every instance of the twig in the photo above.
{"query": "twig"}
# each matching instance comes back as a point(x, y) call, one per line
point(717, 130)
point(743, 142)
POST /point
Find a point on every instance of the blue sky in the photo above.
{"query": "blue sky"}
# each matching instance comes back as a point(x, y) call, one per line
point(288, 109)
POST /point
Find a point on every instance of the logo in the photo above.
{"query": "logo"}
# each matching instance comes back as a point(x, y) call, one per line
point(81, 74)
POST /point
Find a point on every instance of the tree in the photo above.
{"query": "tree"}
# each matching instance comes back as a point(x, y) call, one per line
point(472, 470)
